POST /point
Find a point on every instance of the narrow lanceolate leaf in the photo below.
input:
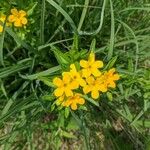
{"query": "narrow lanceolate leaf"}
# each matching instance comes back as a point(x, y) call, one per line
point(7, 106)
point(111, 63)
point(91, 100)
point(47, 72)
point(10, 70)
point(112, 34)
point(74, 47)
point(42, 22)
point(2, 35)
point(100, 22)
point(93, 44)
point(64, 13)
point(46, 81)
point(62, 59)
point(86, 3)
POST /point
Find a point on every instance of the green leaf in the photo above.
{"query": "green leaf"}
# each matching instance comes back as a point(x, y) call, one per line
point(1, 47)
point(43, 73)
point(15, 68)
point(91, 100)
point(84, 12)
point(130, 65)
point(67, 112)
point(109, 96)
point(48, 97)
point(31, 8)
point(74, 47)
point(46, 81)
point(7, 107)
point(64, 13)
point(72, 124)
point(112, 35)
point(62, 59)
point(111, 63)
point(67, 134)
point(92, 47)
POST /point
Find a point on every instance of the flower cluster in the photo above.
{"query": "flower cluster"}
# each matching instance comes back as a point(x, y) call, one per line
point(88, 80)
point(17, 18)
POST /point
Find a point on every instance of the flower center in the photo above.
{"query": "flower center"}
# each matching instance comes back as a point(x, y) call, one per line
point(75, 77)
point(90, 67)
point(94, 83)
point(65, 84)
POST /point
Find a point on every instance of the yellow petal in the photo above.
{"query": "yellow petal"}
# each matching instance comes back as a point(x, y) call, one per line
point(116, 77)
point(22, 13)
point(82, 82)
point(67, 103)
point(95, 94)
point(98, 64)
point(74, 84)
point(59, 92)
point(84, 63)
point(112, 84)
point(14, 11)
point(58, 82)
point(81, 101)
point(86, 89)
point(66, 77)
point(91, 58)
point(2, 18)
point(90, 80)
point(18, 23)
point(11, 18)
point(96, 72)
point(73, 106)
point(73, 67)
point(102, 88)
point(68, 92)
point(24, 20)
point(1, 28)
point(86, 73)
point(111, 71)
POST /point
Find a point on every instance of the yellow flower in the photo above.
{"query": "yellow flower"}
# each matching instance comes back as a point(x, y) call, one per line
point(110, 78)
point(94, 86)
point(63, 86)
point(91, 66)
point(2, 20)
point(76, 77)
point(73, 101)
point(18, 17)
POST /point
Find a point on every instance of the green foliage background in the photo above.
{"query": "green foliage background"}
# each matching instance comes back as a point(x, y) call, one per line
point(29, 57)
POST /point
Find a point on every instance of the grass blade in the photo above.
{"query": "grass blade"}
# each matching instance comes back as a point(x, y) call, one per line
point(42, 22)
point(112, 35)
point(86, 3)
point(65, 14)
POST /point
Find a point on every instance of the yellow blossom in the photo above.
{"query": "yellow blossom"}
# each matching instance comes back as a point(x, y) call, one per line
point(94, 86)
point(18, 17)
point(63, 86)
point(2, 20)
point(76, 77)
point(110, 77)
point(73, 101)
point(91, 66)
